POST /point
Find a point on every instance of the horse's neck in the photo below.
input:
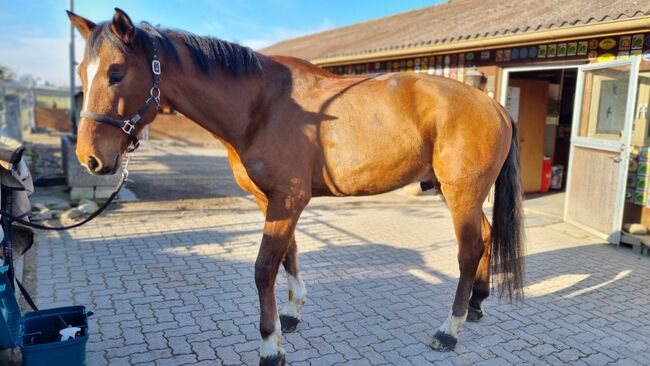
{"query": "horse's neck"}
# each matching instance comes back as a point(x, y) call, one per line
point(219, 103)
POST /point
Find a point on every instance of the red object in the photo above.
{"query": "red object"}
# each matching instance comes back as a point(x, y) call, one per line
point(546, 175)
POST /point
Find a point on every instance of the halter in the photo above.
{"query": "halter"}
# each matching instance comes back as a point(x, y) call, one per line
point(128, 125)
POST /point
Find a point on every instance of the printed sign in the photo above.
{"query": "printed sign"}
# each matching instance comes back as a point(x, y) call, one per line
point(606, 57)
point(625, 42)
point(572, 49)
point(485, 55)
point(523, 52)
point(541, 51)
point(561, 50)
point(532, 51)
point(552, 50)
point(499, 56)
point(514, 54)
point(607, 43)
point(582, 48)
point(637, 41)
point(593, 44)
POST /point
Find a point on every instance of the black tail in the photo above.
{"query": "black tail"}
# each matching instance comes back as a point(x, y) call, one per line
point(507, 226)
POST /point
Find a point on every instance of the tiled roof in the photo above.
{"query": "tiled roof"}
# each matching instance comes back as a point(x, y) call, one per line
point(454, 21)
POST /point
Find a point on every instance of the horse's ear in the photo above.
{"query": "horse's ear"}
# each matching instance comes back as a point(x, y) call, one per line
point(123, 27)
point(83, 25)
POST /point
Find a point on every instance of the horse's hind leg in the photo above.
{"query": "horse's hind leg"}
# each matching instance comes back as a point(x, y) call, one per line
point(290, 314)
point(481, 289)
point(464, 203)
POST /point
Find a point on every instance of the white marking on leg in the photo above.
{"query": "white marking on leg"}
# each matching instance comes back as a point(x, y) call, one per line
point(298, 295)
point(271, 345)
point(452, 325)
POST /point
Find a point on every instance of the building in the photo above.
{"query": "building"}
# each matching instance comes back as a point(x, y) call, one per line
point(574, 75)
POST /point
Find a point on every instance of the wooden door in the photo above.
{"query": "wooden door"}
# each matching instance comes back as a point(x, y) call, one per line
point(531, 124)
point(600, 147)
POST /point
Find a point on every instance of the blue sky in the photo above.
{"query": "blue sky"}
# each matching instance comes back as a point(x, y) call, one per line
point(34, 34)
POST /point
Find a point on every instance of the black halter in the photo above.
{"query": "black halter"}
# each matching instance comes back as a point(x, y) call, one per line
point(128, 125)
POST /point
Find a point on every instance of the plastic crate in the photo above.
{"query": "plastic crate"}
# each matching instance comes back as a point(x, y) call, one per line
point(37, 332)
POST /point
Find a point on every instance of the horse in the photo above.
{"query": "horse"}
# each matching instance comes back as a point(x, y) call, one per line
point(294, 131)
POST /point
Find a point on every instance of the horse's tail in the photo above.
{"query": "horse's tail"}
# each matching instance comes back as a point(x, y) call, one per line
point(507, 226)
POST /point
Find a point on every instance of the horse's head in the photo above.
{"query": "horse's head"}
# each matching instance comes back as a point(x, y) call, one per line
point(116, 75)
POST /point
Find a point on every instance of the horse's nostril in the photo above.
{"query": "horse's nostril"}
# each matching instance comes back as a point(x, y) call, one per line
point(93, 163)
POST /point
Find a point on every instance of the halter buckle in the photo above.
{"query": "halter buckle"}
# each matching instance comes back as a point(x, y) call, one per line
point(128, 127)
point(155, 67)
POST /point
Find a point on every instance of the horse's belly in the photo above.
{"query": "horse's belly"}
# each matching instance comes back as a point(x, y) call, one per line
point(366, 162)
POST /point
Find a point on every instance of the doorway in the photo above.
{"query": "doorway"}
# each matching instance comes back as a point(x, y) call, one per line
point(541, 102)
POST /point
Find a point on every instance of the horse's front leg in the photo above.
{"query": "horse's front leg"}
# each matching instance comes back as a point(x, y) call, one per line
point(282, 214)
point(290, 314)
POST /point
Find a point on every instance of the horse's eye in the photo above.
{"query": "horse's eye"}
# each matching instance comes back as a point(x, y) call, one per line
point(115, 78)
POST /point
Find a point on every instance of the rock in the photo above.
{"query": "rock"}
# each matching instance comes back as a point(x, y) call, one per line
point(43, 214)
point(72, 214)
point(59, 206)
point(635, 229)
point(88, 207)
point(38, 207)
point(83, 201)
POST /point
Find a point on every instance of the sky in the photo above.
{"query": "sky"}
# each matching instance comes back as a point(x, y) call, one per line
point(34, 35)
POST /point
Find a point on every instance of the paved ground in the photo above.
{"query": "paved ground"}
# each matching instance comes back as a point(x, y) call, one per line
point(171, 281)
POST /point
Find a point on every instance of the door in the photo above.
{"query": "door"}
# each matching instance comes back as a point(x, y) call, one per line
point(600, 146)
point(531, 127)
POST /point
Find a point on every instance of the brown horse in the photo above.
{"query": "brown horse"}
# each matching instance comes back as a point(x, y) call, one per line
point(294, 131)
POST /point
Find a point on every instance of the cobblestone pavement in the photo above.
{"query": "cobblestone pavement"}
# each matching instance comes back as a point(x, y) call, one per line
point(171, 281)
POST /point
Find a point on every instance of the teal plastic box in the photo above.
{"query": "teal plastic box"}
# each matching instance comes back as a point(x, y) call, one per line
point(37, 332)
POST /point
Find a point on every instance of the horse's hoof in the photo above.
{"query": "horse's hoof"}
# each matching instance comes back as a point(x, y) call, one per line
point(443, 342)
point(289, 323)
point(277, 360)
point(474, 314)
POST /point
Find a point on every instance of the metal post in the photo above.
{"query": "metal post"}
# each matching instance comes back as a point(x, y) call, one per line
point(73, 113)
point(31, 110)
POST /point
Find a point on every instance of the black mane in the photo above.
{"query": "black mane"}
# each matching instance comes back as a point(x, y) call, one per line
point(207, 52)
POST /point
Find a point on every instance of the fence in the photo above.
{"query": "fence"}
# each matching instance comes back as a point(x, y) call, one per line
point(23, 106)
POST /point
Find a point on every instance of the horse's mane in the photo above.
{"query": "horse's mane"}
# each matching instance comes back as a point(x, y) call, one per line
point(207, 52)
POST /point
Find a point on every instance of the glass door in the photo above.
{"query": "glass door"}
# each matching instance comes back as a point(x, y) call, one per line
point(600, 146)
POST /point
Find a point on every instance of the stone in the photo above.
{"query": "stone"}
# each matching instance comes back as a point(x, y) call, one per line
point(43, 214)
point(72, 214)
point(87, 207)
point(635, 229)
point(38, 207)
